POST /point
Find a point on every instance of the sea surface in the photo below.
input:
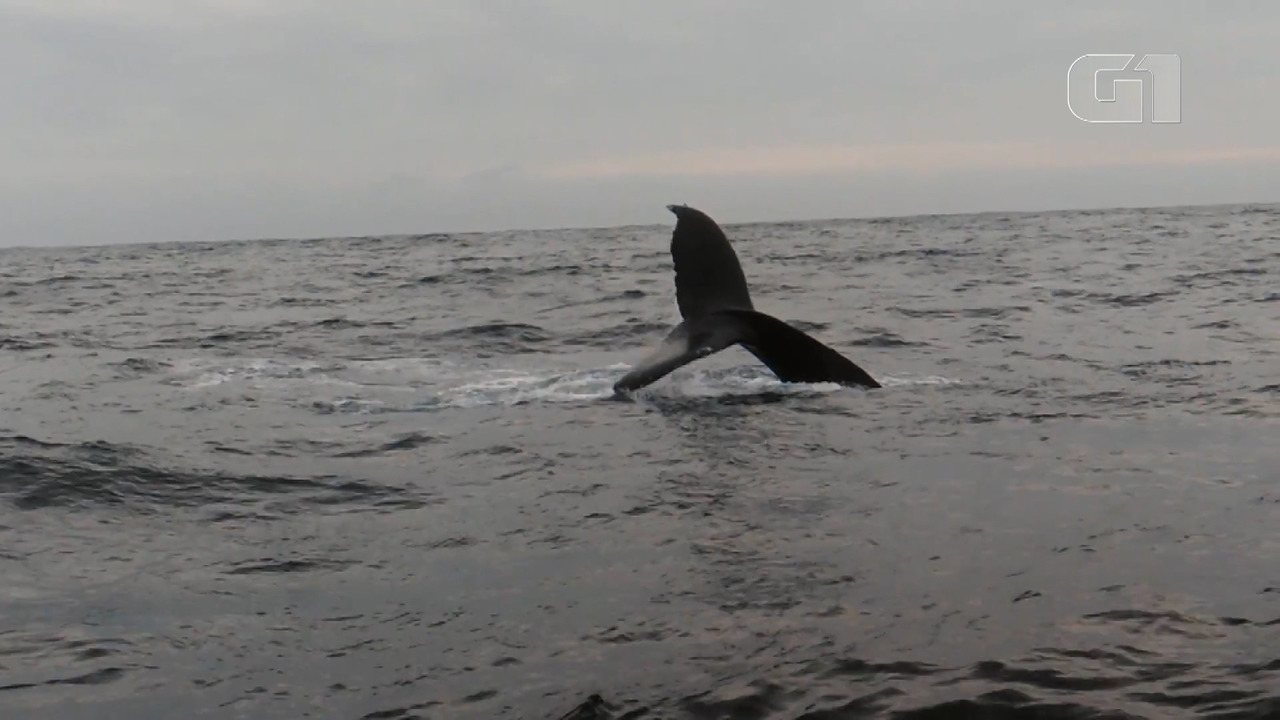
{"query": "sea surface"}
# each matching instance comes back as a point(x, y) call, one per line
point(382, 477)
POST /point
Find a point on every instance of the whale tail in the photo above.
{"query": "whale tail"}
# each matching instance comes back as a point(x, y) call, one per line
point(711, 292)
point(708, 275)
point(791, 354)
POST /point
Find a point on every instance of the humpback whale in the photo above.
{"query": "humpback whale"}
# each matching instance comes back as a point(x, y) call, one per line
point(711, 293)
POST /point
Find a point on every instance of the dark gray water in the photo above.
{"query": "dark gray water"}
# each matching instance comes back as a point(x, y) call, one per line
point(379, 477)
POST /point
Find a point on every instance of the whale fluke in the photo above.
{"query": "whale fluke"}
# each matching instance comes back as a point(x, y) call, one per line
point(711, 292)
point(690, 340)
point(708, 275)
point(795, 356)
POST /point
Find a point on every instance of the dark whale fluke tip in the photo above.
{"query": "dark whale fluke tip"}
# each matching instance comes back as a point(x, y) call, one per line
point(711, 293)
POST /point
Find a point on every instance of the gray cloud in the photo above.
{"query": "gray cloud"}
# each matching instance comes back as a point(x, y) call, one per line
point(148, 121)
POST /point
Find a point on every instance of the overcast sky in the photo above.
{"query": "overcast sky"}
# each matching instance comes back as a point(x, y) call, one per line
point(140, 120)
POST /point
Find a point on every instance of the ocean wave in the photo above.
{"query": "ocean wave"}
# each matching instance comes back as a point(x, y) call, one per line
point(36, 475)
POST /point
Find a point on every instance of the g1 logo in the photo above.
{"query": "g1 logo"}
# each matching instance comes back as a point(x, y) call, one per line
point(1112, 88)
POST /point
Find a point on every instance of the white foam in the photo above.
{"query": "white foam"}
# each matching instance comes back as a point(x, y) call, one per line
point(746, 380)
point(406, 367)
point(515, 387)
point(897, 381)
point(365, 384)
point(399, 374)
point(195, 373)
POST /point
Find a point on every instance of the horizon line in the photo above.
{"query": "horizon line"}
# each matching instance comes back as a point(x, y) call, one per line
point(547, 228)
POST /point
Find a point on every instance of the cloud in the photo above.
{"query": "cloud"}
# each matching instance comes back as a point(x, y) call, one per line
point(144, 119)
point(915, 159)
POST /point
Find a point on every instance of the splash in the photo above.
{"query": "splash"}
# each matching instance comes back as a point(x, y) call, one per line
point(375, 386)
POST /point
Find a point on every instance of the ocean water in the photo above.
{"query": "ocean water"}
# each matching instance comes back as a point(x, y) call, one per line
point(382, 477)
